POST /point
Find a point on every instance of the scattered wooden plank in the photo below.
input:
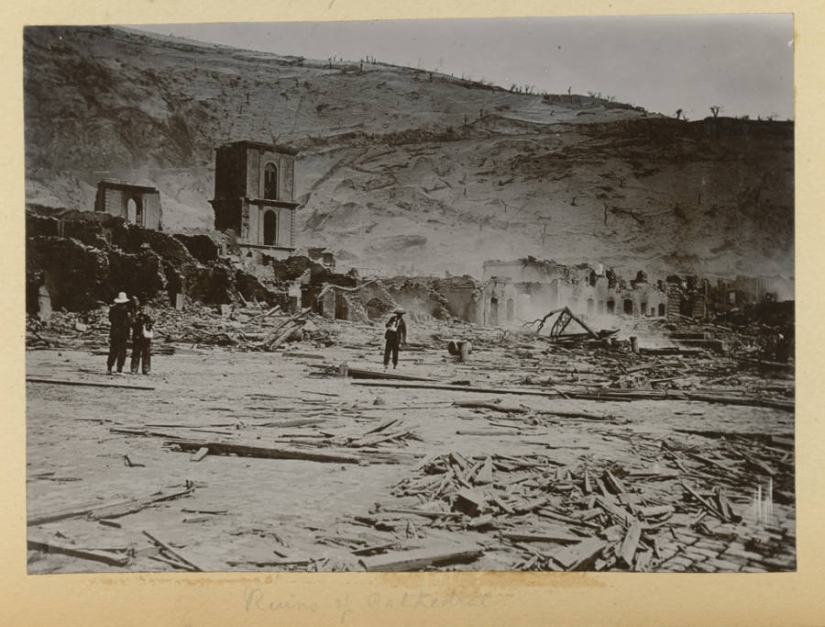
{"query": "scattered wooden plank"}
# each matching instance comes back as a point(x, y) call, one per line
point(481, 521)
point(469, 501)
point(110, 523)
point(132, 464)
point(213, 512)
point(643, 559)
point(615, 482)
point(491, 406)
point(231, 448)
point(782, 441)
point(630, 543)
point(200, 454)
point(173, 563)
point(614, 510)
point(500, 503)
point(97, 384)
point(398, 561)
point(455, 388)
point(574, 414)
point(788, 406)
point(374, 548)
point(421, 512)
point(579, 556)
point(303, 356)
point(485, 475)
point(655, 511)
point(99, 510)
point(488, 432)
point(707, 504)
point(541, 535)
point(105, 557)
point(589, 514)
point(173, 552)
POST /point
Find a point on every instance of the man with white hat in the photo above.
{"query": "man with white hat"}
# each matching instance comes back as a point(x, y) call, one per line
point(120, 319)
point(395, 334)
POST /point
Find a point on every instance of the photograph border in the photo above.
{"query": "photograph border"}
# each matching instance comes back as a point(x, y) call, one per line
point(269, 598)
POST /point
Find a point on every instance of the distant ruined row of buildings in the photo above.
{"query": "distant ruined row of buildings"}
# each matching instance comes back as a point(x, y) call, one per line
point(254, 205)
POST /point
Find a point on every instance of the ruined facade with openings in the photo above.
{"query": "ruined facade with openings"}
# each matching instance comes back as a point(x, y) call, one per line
point(255, 197)
point(137, 204)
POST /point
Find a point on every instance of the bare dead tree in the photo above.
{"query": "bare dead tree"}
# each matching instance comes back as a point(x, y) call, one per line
point(715, 109)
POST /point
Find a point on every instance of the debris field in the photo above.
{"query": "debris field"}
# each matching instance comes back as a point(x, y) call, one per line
point(267, 441)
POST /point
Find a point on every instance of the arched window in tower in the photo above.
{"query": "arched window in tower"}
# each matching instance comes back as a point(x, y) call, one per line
point(270, 182)
point(270, 228)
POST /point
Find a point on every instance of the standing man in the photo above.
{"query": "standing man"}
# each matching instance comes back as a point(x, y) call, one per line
point(141, 339)
point(395, 334)
point(120, 319)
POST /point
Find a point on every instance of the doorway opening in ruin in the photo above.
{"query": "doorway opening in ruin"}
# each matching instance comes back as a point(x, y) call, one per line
point(628, 307)
point(140, 217)
point(661, 310)
point(643, 310)
point(341, 308)
point(270, 228)
point(652, 312)
point(494, 311)
point(611, 307)
point(511, 309)
point(131, 211)
point(600, 307)
point(591, 305)
point(270, 182)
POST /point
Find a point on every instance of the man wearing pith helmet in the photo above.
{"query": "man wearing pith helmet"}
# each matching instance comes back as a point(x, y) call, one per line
point(395, 335)
point(120, 319)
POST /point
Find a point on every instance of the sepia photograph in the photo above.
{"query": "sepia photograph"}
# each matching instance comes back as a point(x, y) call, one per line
point(499, 294)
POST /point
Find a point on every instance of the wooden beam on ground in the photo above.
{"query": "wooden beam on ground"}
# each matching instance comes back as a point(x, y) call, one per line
point(202, 452)
point(99, 510)
point(491, 406)
point(579, 556)
point(95, 384)
point(630, 543)
point(742, 400)
point(231, 448)
point(418, 559)
point(541, 535)
point(485, 475)
point(173, 552)
point(455, 388)
point(105, 557)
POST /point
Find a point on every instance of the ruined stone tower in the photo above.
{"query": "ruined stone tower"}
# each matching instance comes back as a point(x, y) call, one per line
point(254, 196)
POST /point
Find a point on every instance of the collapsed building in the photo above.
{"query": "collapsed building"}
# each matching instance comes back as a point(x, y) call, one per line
point(78, 259)
point(136, 204)
point(528, 288)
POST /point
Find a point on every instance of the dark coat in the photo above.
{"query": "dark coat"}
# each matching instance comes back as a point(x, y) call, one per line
point(141, 319)
point(399, 335)
point(120, 317)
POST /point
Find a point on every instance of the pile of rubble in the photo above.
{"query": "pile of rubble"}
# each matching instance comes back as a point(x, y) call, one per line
point(535, 513)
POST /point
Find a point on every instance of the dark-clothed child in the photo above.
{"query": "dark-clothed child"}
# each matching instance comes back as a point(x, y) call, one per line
point(142, 333)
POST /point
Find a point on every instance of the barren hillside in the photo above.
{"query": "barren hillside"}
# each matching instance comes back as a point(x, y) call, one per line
point(407, 171)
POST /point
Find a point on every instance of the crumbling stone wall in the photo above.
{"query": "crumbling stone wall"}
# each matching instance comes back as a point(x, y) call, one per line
point(109, 256)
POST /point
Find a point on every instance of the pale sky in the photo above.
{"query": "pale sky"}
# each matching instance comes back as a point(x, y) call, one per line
point(743, 63)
